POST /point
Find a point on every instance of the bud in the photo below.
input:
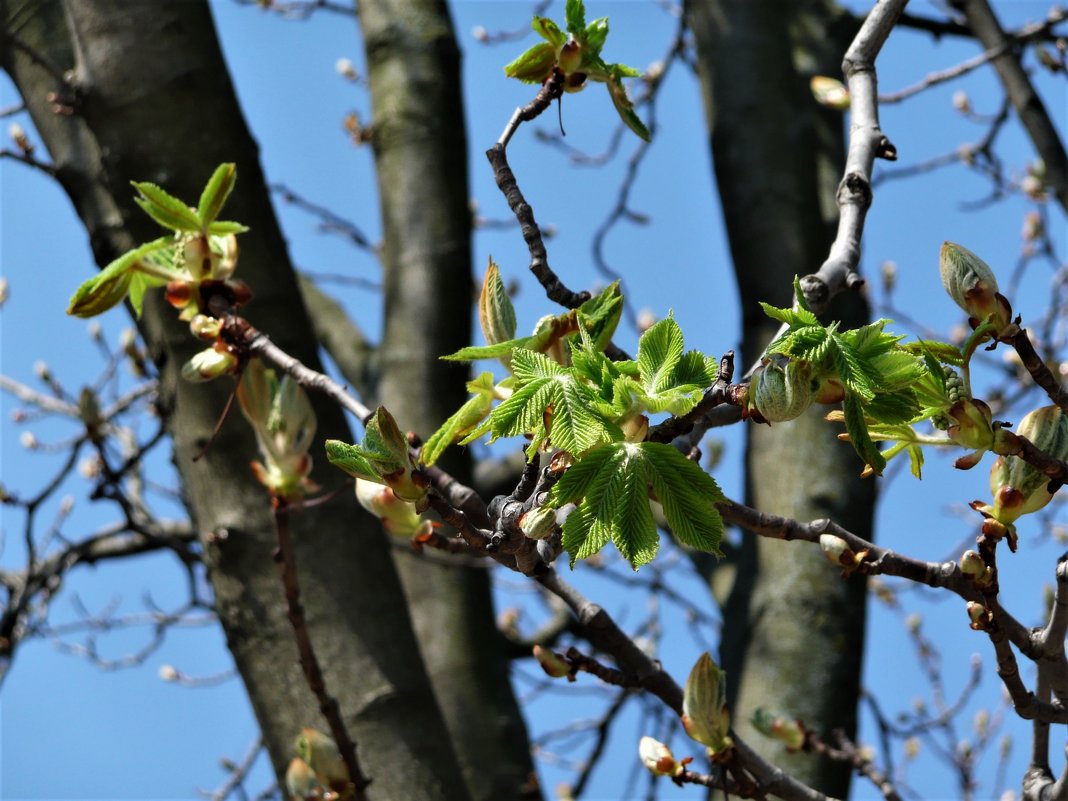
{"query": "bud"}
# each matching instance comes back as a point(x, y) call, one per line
point(28, 440)
point(829, 92)
point(778, 727)
point(914, 623)
point(4, 290)
point(961, 102)
point(301, 783)
point(837, 550)
point(537, 524)
point(973, 566)
point(981, 723)
point(971, 425)
point(570, 57)
point(18, 136)
point(168, 673)
point(981, 618)
point(208, 365)
point(398, 517)
point(496, 314)
point(552, 663)
point(912, 748)
point(781, 389)
point(658, 758)
point(322, 756)
point(1033, 227)
point(889, 273)
point(1019, 488)
point(346, 69)
point(205, 328)
point(704, 709)
point(971, 284)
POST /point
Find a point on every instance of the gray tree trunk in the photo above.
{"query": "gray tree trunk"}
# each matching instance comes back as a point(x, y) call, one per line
point(154, 102)
point(420, 146)
point(793, 631)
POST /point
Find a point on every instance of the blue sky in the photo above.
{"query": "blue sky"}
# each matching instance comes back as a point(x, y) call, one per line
point(71, 730)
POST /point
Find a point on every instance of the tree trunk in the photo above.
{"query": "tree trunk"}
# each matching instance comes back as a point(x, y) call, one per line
point(420, 146)
point(154, 102)
point(793, 630)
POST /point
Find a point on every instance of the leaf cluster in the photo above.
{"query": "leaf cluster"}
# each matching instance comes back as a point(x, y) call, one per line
point(886, 386)
point(577, 54)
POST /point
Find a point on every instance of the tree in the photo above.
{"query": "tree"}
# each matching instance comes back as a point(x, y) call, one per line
point(414, 726)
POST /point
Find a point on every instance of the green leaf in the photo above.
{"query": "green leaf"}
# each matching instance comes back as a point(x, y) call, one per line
point(384, 439)
point(792, 317)
point(688, 496)
point(610, 486)
point(893, 408)
point(534, 65)
point(850, 370)
point(625, 109)
point(352, 460)
point(549, 31)
point(858, 433)
point(659, 351)
point(551, 402)
point(224, 227)
point(166, 209)
point(600, 314)
point(475, 352)
point(466, 418)
point(215, 193)
point(109, 287)
point(596, 33)
point(942, 351)
point(575, 16)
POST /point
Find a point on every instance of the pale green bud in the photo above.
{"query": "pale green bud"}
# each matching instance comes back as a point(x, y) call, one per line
point(971, 284)
point(322, 756)
point(301, 783)
point(829, 92)
point(208, 365)
point(781, 389)
point(551, 662)
point(786, 730)
point(658, 758)
point(704, 707)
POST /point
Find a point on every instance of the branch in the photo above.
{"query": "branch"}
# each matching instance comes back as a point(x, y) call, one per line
point(866, 143)
point(287, 570)
point(1019, 89)
point(1027, 33)
point(1038, 369)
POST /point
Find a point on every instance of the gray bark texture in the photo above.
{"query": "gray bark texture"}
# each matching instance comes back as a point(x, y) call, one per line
point(794, 631)
point(153, 102)
point(420, 146)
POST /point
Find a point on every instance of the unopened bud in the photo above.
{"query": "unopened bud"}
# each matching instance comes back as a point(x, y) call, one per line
point(205, 328)
point(28, 440)
point(209, 364)
point(551, 662)
point(301, 783)
point(346, 69)
point(971, 284)
point(786, 730)
point(570, 57)
point(537, 524)
point(981, 618)
point(837, 550)
point(168, 673)
point(658, 758)
point(961, 102)
point(704, 707)
point(912, 748)
point(829, 92)
point(973, 566)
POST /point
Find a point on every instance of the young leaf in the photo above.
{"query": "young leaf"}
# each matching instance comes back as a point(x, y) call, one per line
point(688, 496)
point(224, 227)
point(464, 420)
point(108, 288)
point(550, 401)
point(575, 16)
point(534, 65)
point(659, 350)
point(625, 109)
point(858, 433)
point(600, 314)
point(166, 209)
point(549, 31)
point(610, 486)
point(596, 33)
point(215, 194)
point(351, 459)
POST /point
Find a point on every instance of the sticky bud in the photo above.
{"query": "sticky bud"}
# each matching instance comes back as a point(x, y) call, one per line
point(704, 707)
point(829, 92)
point(658, 758)
point(209, 364)
point(301, 783)
point(786, 730)
point(981, 618)
point(971, 284)
point(781, 389)
point(537, 524)
point(570, 57)
point(322, 756)
point(973, 566)
point(205, 328)
point(552, 663)
point(837, 550)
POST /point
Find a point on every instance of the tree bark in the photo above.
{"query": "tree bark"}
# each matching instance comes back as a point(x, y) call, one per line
point(420, 146)
point(152, 101)
point(793, 630)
